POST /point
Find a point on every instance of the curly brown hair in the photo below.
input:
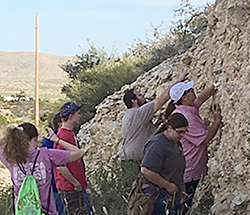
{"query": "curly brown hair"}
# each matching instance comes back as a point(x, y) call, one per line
point(16, 145)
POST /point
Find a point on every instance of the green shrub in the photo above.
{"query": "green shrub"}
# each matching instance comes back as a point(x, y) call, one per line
point(21, 96)
point(2, 99)
point(3, 120)
point(89, 86)
point(109, 193)
point(181, 36)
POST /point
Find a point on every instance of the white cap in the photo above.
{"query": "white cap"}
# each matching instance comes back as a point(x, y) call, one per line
point(177, 91)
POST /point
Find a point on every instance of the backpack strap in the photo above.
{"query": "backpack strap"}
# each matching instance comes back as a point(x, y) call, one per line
point(21, 167)
point(33, 168)
point(13, 199)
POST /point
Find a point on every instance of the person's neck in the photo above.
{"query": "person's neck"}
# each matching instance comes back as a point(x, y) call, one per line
point(174, 141)
point(32, 147)
point(135, 106)
point(68, 125)
point(187, 104)
point(168, 135)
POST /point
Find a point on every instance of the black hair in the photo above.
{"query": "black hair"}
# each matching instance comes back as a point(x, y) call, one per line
point(56, 120)
point(29, 129)
point(171, 107)
point(128, 96)
point(176, 120)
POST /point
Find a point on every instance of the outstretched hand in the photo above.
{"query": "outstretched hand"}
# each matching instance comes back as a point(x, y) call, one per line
point(217, 112)
point(51, 135)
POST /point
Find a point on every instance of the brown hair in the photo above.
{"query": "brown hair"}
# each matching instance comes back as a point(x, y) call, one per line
point(56, 120)
point(16, 145)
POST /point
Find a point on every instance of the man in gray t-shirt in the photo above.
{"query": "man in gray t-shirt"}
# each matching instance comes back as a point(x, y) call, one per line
point(137, 126)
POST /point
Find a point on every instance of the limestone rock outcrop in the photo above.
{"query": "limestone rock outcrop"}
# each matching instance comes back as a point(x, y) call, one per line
point(220, 55)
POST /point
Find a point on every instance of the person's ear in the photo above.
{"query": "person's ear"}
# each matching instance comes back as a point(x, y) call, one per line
point(70, 116)
point(169, 128)
point(184, 98)
point(34, 139)
point(134, 101)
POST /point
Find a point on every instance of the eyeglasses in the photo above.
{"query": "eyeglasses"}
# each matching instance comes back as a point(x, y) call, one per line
point(189, 90)
point(180, 131)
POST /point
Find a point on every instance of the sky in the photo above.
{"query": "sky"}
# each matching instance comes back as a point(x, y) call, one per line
point(66, 26)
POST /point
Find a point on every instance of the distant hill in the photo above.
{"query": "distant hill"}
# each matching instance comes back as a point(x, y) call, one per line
point(17, 73)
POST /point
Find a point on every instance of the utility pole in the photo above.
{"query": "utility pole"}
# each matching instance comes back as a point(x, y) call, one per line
point(37, 74)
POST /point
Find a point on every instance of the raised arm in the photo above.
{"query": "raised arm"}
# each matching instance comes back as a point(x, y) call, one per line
point(52, 136)
point(157, 179)
point(76, 155)
point(206, 94)
point(164, 97)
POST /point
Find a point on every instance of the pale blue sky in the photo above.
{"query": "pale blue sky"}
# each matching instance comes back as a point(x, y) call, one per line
point(65, 25)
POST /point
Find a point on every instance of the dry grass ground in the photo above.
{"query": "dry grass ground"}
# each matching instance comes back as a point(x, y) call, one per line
point(17, 73)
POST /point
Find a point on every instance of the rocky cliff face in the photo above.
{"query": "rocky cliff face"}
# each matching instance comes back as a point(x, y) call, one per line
point(222, 55)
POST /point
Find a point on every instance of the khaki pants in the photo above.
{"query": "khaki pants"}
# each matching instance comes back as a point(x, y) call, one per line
point(130, 169)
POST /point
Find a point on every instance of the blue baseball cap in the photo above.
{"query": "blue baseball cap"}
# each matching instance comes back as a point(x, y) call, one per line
point(69, 108)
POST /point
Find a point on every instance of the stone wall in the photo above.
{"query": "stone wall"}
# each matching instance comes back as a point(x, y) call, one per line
point(222, 55)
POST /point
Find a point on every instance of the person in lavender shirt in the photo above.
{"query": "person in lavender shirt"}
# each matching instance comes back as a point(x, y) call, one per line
point(19, 146)
point(196, 139)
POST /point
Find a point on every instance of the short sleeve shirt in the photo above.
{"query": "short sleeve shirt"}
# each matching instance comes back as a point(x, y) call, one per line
point(46, 160)
point(137, 129)
point(76, 168)
point(161, 157)
point(192, 142)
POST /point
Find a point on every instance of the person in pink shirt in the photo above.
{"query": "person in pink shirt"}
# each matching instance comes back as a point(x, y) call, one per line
point(19, 147)
point(196, 139)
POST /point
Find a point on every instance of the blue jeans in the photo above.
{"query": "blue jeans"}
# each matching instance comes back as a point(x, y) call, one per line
point(59, 204)
point(190, 190)
point(88, 209)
